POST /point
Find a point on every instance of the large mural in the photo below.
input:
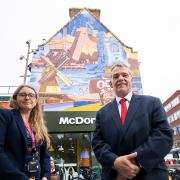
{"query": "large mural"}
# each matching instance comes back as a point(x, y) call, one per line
point(71, 70)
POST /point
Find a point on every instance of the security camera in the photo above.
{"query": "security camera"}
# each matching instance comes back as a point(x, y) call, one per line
point(28, 42)
point(21, 57)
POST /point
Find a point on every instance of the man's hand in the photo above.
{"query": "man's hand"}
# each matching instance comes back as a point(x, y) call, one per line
point(120, 177)
point(44, 178)
point(126, 167)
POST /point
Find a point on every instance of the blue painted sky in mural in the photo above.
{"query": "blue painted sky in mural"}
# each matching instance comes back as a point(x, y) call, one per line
point(85, 20)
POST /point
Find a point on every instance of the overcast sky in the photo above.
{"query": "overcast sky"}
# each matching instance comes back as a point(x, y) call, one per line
point(150, 27)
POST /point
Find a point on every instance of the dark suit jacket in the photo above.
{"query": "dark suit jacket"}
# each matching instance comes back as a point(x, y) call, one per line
point(13, 145)
point(146, 131)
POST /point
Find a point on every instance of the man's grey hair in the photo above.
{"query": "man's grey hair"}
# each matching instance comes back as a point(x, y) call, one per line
point(121, 65)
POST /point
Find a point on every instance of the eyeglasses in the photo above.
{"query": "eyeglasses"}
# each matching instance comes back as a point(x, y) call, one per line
point(30, 95)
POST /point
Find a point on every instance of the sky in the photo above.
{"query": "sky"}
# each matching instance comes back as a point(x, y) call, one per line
point(150, 27)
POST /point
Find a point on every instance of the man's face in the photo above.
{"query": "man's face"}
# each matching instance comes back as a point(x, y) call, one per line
point(121, 81)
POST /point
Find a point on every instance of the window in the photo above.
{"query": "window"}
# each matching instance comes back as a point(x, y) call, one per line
point(175, 101)
point(167, 107)
point(176, 115)
point(171, 118)
point(72, 152)
point(176, 130)
point(71, 149)
point(172, 104)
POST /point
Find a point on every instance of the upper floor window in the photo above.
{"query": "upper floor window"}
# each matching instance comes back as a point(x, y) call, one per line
point(176, 115)
point(170, 118)
point(177, 130)
point(172, 104)
point(175, 101)
point(167, 107)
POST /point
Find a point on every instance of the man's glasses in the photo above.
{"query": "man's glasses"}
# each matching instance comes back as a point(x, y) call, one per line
point(24, 95)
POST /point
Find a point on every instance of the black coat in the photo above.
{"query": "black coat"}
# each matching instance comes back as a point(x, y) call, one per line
point(146, 131)
point(13, 143)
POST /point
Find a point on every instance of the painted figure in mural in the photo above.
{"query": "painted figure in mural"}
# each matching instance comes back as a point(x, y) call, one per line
point(133, 148)
point(24, 138)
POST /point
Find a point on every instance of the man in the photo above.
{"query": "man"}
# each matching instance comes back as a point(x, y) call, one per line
point(136, 147)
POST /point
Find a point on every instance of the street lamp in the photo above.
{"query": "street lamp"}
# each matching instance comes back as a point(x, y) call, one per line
point(27, 60)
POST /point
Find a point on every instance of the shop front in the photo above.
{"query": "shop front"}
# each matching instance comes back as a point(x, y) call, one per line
point(71, 135)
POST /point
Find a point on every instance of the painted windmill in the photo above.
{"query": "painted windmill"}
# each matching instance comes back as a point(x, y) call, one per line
point(50, 79)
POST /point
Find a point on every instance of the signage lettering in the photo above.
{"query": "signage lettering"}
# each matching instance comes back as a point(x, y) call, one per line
point(76, 120)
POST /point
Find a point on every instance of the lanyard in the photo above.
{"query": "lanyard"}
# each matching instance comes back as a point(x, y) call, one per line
point(30, 132)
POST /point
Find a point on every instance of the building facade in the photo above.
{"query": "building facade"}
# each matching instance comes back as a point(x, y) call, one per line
point(172, 107)
point(71, 73)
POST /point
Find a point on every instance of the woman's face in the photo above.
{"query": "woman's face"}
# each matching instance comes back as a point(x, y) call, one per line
point(26, 99)
point(52, 164)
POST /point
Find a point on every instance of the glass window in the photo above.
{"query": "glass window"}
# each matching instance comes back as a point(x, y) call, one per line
point(175, 101)
point(174, 131)
point(176, 115)
point(71, 149)
point(171, 118)
point(72, 153)
point(177, 130)
point(167, 107)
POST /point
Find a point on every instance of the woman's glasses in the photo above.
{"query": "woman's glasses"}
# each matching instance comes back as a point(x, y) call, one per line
point(24, 95)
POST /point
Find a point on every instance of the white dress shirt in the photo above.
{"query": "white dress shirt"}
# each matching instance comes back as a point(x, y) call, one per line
point(128, 99)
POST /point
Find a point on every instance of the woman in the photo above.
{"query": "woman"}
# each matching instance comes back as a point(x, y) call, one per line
point(54, 170)
point(24, 138)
